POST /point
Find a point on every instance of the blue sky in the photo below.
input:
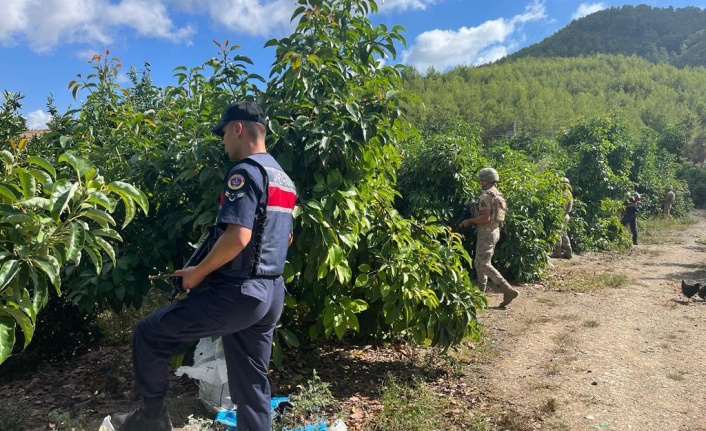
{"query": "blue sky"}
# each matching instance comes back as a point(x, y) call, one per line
point(45, 43)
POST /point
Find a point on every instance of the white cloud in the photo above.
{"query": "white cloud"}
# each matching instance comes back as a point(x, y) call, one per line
point(443, 49)
point(587, 9)
point(252, 16)
point(46, 24)
point(37, 120)
point(403, 5)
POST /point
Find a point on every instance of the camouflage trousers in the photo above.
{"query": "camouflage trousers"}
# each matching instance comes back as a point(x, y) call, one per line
point(667, 209)
point(485, 247)
point(562, 248)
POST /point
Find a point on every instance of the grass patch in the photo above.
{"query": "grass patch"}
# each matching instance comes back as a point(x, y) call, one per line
point(118, 328)
point(592, 283)
point(482, 351)
point(659, 230)
point(10, 421)
point(564, 342)
point(546, 301)
point(591, 324)
point(415, 406)
point(553, 368)
point(678, 376)
point(549, 406)
point(542, 385)
point(513, 420)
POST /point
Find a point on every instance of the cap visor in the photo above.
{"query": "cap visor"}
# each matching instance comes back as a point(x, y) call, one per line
point(218, 129)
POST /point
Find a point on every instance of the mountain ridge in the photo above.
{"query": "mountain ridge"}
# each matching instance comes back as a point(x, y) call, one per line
point(676, 36)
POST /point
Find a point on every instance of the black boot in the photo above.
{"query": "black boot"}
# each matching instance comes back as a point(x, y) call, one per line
point(151, 416)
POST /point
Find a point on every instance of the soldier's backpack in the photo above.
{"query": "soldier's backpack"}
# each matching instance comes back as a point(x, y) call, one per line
point(499, 208)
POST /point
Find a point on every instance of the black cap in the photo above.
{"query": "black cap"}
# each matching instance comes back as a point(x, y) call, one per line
point(244, 111)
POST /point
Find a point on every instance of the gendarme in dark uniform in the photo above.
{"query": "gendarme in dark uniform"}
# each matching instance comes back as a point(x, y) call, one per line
point(240, 291)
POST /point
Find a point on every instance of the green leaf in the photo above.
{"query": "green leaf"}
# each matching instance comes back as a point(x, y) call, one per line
point(42, 163)
point(41, 176)
point(108, 233)
point(50, 267)
point(7, 336)
point(128, 190)
point(101, 217)
point(101, 199)
point(61, 195)
point(81, 166)
point(289, 337)
point(18, 218)
point(129, 211)
point(361, 280)
point(8, 270)
point(7, 157)
point(41, 292)
point(95, 257)
point(8, 195)
point(105, 245)
point(23, 320)
point(28, 183)
point(77, 238)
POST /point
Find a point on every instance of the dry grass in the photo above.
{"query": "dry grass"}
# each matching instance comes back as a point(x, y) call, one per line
point(118, 327)
point(581, 282)
point(661, 230)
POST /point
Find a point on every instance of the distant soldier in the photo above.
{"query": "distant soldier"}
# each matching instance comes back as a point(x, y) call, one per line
point(630, 214)
point(562, 248)
point(667, 202)
point(490, 217)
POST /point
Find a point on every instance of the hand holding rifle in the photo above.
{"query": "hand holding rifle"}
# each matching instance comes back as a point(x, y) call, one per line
point(465, 214)
point(187, 278)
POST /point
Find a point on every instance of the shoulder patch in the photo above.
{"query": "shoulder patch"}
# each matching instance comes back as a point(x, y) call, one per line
point(236, 182)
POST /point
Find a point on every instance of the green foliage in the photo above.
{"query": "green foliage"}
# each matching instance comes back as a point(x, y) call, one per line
point(336, 118)
point(51, 217)
point(13, 125)
point(62, 421)
point(545, 96)
point(412, 406)
point(159, 139)
point(601, 162)
point(695, 177)
point(10, 420)
point(62, 331)
point(439, 175)
point(534, 219)
point(308, 405)
point(658, 34)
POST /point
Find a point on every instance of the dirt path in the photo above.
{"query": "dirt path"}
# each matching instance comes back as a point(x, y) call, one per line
point(623, 358)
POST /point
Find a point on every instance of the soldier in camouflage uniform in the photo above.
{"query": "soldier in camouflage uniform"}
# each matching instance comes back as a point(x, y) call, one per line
point(563, 244)
point(489, 218)
point(667, 202)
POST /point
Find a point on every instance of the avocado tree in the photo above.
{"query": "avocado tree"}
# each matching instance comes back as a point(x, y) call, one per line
point(50, 218)
point(336, 120)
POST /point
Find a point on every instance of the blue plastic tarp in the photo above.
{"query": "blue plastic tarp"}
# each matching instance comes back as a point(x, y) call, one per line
point(230, 420)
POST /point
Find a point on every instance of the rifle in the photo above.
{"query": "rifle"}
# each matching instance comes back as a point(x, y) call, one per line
point(468, 211)
point(197, 256)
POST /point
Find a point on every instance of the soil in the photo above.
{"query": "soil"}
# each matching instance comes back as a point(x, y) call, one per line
point(568, 354)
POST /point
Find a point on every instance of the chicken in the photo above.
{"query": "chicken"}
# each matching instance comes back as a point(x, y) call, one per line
point(702, 292)
point(690, 290)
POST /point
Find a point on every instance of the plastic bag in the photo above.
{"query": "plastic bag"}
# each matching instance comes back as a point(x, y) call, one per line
point(210, 370)
point(106, 425)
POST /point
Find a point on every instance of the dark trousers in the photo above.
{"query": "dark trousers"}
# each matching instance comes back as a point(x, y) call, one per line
point(246, 323)
point(632, 224)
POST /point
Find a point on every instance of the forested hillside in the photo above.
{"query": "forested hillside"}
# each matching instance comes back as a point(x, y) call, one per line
point(548, 95)
point(661, 35)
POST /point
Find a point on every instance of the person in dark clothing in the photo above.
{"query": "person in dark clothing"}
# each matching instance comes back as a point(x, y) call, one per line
point(632, 204)
point(240, 292)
